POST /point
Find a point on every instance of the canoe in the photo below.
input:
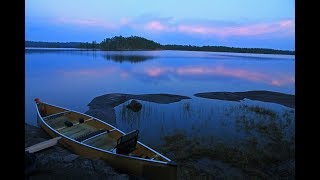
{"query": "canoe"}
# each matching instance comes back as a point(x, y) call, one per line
point(93, 138)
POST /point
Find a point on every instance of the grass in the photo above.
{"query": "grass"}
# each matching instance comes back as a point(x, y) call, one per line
point(246, 155)
point(186, 106)
point(260, 110)
point(267, 144)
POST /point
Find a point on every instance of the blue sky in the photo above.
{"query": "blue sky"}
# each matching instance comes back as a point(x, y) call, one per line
point(237, 23)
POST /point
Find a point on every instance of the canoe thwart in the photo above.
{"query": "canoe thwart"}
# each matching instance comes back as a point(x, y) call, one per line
point(56, 115)
point(43, 145)
point(74, 124)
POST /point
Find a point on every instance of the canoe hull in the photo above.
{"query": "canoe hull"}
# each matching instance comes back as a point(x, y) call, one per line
point(134, 166)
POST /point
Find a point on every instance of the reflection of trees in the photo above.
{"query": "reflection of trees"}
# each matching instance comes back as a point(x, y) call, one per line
point(129, 58)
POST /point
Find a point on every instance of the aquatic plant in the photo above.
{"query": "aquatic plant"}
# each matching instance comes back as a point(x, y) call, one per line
point(260, 110)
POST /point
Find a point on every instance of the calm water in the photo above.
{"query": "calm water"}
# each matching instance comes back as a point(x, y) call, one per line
point(73, 78)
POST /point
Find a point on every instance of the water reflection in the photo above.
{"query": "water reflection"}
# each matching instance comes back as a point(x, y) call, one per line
point(207, 119)
point(71, 78)
point(249, 135)
point(126, 58)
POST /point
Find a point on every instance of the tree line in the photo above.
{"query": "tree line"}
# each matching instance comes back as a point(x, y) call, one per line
point(119, 43)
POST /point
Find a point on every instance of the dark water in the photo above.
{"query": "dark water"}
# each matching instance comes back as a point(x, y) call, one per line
point(73, 78)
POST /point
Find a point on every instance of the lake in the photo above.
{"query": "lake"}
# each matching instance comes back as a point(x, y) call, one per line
point(72, 78)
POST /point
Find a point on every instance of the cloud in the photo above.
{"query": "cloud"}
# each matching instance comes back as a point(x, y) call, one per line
point(166, 30)
point(283, 27)
point(206, 28)
point(158, 26)
point(87, 23)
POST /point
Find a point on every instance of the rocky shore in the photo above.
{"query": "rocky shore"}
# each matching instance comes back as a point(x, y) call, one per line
point(102, 107)
point(58, 163)
point(194, 160)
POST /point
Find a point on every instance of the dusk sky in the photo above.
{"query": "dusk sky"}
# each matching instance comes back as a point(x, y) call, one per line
point(237, 23)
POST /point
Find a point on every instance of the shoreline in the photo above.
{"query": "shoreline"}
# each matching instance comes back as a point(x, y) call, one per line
point(82, 49)
point(58, 163)
point(102, 107)
point(287, 100)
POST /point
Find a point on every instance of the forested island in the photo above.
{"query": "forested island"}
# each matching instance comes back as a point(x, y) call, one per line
point(120, 43)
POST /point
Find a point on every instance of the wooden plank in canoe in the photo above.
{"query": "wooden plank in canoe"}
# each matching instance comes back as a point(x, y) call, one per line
point(104, 142)
point(77, 130)
point(43, 145)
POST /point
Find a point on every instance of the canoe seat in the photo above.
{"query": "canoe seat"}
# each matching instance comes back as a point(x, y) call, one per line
point(89, 135)
point(127, 143)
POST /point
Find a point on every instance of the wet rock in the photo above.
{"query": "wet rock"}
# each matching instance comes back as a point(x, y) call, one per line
point(134, 105)
point(102, 107)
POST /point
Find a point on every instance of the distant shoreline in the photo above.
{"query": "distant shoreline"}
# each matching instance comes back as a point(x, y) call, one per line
point(81, 49)
point(135, 43)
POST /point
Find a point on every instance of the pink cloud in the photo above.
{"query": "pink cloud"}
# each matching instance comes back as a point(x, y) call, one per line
point(241, 30)
point(156, 25)
point(88, 22)
point(284, 27)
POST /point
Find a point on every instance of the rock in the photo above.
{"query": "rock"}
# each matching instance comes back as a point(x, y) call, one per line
point(70, 158)
point(219, 169)
point(30, 166)
point(134, 105)
point(283, 170)
point(106, 114)
point(58, 163)
point(265, 96)
point(102, 107)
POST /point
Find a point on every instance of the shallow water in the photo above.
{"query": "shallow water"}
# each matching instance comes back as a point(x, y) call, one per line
point(72, 78)
point(247, 134)
point(199, 118)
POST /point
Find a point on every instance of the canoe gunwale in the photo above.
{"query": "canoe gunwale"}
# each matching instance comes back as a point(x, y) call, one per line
point(170, 162)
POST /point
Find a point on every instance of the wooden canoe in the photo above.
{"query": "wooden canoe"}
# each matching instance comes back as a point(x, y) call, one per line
point(88, 136)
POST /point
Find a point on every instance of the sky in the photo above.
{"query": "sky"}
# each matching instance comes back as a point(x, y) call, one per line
point(234, 23)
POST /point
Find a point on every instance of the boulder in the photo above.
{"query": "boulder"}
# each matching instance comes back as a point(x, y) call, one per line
point(134, 105)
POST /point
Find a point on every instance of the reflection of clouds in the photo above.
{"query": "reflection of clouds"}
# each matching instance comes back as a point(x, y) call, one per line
point(154, 73)
point(157, 71)
point(124, 75)
point(90, 72)
point(203, 72)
